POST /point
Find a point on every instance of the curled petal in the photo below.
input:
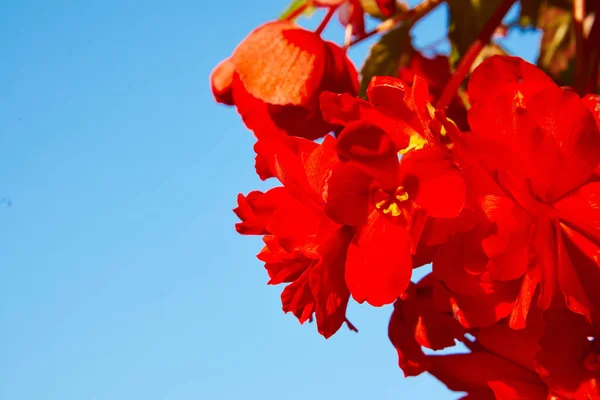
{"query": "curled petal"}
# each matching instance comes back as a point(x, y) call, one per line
point(221, 79)
point(282, 64)
point(368, 148)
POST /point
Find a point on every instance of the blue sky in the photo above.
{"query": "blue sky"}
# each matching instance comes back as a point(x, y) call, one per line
point(121, 276)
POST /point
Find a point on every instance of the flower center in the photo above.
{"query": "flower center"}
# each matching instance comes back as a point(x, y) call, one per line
point(390, 204)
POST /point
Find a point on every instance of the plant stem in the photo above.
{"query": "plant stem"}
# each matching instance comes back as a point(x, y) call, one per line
point(580, 54)
point(593, 52)
point(326, 20)
point(467, 60)
point(414, 14)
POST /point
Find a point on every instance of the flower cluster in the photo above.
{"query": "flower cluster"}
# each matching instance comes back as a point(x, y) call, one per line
point(506, 210)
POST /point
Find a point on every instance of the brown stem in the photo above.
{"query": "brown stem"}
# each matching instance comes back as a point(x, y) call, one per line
point(326, 20)
point(414, 14)
point(467, 60)
point(593, 52)
point(580, 55)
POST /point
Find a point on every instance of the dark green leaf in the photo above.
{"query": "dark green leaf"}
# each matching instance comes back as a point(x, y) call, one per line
point(467, 19)
point(387, 56)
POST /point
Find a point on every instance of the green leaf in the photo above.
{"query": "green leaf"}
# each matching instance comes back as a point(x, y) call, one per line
point(294, 6)
point(386, 56)
point(466, 19)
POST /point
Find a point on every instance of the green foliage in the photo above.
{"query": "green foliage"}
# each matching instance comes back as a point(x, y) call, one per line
point(386, 56)
point(467, 19)
point(295, 5)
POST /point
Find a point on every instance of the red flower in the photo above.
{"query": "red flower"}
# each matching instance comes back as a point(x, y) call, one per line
point(500, 366)
point(436, 72)
point(303, 246)
point(554, 357)
point(275, 76)
point(421, 320)
point(537, 147)
point(387, 200)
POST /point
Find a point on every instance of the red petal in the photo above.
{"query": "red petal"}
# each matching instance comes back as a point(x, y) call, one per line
point(592, 102)
point(585, 256)
point(328, 285)
point(564, 347)
point(472, 372)
point(342, 109)
point(435, 174)
point(281, 265)
point(513, 389)
point(286, 158)
point(257, 208)
point(518, 346)
point(281, 63)
point(564, 118)
point(348, 195)
point(341, 75)
point(379, 268)
point(569, 282)
point(554, 141)
point(319, 165)
point(456, 262)
point(484, 310)
point(507, 244)
point(297, 299)
point(411, 358)
point(368, 148)
point(501, 75)
point(294, 219)
point(581, 209)
point(221, 79)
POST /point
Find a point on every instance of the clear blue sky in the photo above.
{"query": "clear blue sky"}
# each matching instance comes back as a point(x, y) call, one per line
point(121, 276)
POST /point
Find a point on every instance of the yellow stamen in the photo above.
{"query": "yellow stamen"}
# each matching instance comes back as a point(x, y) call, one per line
point(416, 142)
point(519, 99)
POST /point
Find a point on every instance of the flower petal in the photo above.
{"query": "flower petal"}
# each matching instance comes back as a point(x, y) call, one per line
point(379, 265)
point(348, 195)
point(368, 148)
point(280, 63)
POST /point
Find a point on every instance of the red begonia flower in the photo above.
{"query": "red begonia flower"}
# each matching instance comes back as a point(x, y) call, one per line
point(554, 357)
point(569, 356)
point(436, 72)
point(387, 200)
point(304, 247)
point(418, 320)
point(538, 146)
point(501, 365)
point(275, 76)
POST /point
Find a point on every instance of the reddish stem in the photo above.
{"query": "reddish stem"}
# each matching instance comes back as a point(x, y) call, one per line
point(297, 12)
point(465, 63)
point(416, 13)
point(593, 52)
point(326, 20)
point(580, 57)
